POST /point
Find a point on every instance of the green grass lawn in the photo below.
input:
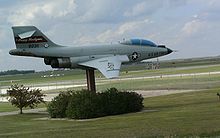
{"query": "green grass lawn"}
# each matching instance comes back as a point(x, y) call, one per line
point(175, 83)
point(167, 71)
point(7, 107)
point(178, 115)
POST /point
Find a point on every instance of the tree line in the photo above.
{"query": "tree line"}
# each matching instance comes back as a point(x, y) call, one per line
point(14, 72)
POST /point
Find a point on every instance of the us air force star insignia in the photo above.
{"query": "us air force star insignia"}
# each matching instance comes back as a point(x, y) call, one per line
point(134, 56)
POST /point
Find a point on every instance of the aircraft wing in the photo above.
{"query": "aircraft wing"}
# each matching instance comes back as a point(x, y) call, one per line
point(108, 66)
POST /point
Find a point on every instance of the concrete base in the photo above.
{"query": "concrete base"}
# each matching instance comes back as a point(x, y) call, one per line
point(90, 76)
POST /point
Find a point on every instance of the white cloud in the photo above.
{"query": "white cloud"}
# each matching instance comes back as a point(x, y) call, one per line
point(137, 9)
point(101, 11)
point(38, 11)
point(192, 27)
point(143, 8)
point(60, 8)
point(4, 35)
point(124, 30)
point(114, 34)
point(148, 7)
point(176, 3)
point(129, 26)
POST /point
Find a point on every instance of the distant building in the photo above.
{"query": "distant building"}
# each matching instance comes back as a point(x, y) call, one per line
point(152, 65)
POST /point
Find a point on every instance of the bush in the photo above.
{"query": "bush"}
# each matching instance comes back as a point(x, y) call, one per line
point(121, 102)
point(57, 107)
point(85, 104)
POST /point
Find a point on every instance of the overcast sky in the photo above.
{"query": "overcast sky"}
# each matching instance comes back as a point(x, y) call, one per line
point(190, 26)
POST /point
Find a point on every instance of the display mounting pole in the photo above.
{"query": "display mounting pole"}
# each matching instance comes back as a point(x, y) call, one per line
point(90, 77)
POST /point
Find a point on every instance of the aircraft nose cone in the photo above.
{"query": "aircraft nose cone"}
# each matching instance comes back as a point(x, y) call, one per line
point(169, 51)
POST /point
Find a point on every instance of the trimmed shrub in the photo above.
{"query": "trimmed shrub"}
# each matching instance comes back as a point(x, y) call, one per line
point(57, 107)
point(85, 104)
point(121, 102)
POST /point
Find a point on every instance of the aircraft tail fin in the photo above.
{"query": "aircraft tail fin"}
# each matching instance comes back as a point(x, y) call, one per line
point(30, 37)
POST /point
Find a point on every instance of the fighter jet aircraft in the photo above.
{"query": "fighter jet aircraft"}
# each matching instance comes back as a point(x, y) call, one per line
point(108, 58)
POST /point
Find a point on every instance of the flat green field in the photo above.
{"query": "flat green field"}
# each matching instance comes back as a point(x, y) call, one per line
point(174, 83)
point(7, 107)
point(178, 115)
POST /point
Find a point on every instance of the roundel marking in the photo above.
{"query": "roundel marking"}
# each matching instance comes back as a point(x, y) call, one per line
point(46, 45)
point(134, 56)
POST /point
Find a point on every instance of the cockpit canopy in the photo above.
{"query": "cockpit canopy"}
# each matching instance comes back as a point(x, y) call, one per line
point(141, 42)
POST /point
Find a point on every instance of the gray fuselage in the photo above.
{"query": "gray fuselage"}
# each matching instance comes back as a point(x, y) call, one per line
point(79, 54)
